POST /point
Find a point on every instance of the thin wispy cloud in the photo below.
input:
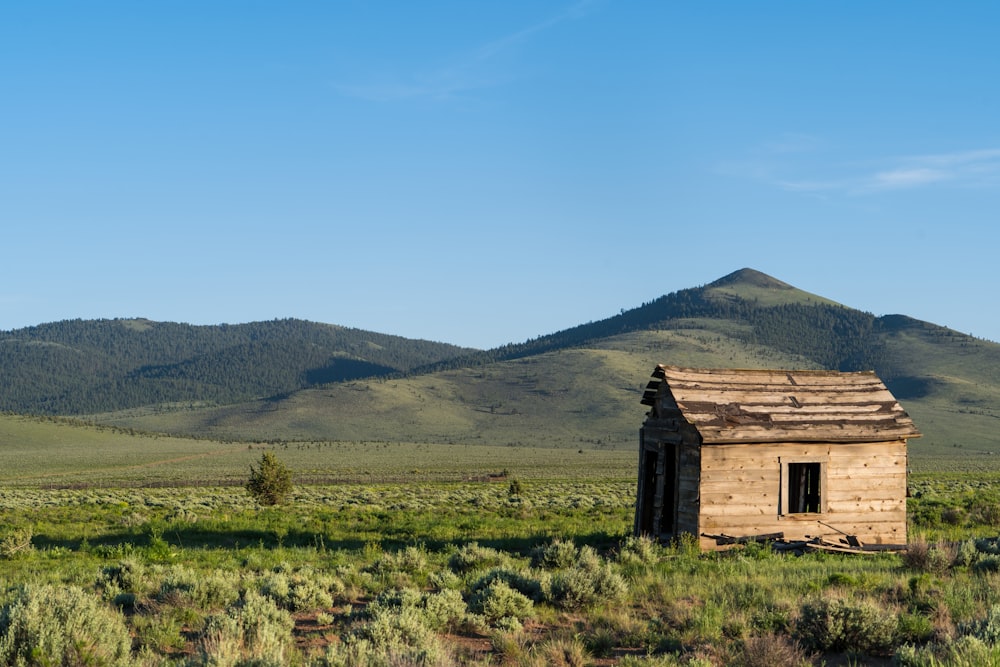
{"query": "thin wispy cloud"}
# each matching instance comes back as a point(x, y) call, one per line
point(973, 168)
point(464, 74)
point(779, 162)
point(574, 12)
point(907, 178)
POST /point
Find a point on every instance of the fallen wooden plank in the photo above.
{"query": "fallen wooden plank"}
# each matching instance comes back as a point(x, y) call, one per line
point(729, 539)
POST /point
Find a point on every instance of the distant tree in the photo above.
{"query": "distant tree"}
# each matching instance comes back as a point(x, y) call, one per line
point(270, 482)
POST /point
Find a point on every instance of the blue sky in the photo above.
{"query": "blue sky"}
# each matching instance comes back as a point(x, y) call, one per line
point(486, 172)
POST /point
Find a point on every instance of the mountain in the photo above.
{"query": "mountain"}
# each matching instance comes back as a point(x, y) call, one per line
point(77, 367)
point(578, 388)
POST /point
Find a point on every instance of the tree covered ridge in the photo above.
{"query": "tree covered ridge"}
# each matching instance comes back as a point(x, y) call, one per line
point(833, 336)
point(87, 366)
point(82, 367)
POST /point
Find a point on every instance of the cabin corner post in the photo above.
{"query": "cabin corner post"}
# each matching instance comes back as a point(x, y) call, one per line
point(639, 491)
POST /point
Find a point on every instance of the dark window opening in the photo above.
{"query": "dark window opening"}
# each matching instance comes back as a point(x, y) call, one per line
point(804, 488)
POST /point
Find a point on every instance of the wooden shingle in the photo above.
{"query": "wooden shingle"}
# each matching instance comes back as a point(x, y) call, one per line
point(757, 406)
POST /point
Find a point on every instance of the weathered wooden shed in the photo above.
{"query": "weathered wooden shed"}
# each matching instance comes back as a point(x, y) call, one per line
point(742, 453)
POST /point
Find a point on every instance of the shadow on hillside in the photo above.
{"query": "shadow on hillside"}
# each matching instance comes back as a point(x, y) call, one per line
point(910, 387)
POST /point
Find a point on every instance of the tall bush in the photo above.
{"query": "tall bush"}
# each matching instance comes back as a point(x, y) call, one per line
point(270, 482)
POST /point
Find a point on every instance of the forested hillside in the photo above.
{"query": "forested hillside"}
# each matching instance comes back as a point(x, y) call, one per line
point(294, 380)
point(77, 366)
point(831, 335)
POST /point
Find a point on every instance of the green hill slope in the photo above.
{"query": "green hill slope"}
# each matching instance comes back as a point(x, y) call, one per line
point(577, 388)
point(581, 387)
point(78, 366)
point(586, 397)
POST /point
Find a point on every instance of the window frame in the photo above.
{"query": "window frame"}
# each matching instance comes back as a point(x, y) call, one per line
point(784, 479)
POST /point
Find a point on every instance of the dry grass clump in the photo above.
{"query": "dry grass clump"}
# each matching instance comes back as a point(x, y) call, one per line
point(563, 652)
point(770, 650)
point(925, 557)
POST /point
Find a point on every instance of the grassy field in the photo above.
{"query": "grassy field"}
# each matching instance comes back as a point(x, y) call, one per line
point(43, 452)
point(537, 572)
point(54, 453)
point(118, 548)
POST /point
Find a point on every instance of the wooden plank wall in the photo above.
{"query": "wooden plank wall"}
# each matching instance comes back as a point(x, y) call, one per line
point(865, 491)
point(687, 487)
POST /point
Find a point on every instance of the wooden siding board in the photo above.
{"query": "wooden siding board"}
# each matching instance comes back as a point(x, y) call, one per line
point(752, 434)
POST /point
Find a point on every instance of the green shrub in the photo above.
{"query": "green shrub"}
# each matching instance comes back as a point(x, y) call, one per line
point(445, 579)
point(523, 583)
point(470, 557)
point(953, 516)
point(985, 512)
point(445, 610)
point(915, 628)
point(967, 554)
point(556, 555)
point(667, 660)
point(988, 545)
point(128, 575)
point(177, 584)
point(987, 565)
point(964, 652)
point(299, 590)
point(757, 550)
point(842, 579)
point(440, 611)
point(216, 589)
point(254, 628)
point(841, 625)
point(398, 631)
point(15, 542)
point(271, 482)
point(362, 652)
point(500, 605)
point(411, 560)
point(642, 550)
point(590, 581)
point(986, 629)
point(159, 632)
point(52, 625)
point(391, 627)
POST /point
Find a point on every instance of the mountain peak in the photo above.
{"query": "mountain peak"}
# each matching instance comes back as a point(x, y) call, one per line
point(750, 277)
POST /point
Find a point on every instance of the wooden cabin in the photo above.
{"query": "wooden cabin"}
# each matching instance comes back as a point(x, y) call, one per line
point(727, 455)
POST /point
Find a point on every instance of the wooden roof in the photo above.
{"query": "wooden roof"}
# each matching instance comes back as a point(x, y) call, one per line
point(731, 406)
